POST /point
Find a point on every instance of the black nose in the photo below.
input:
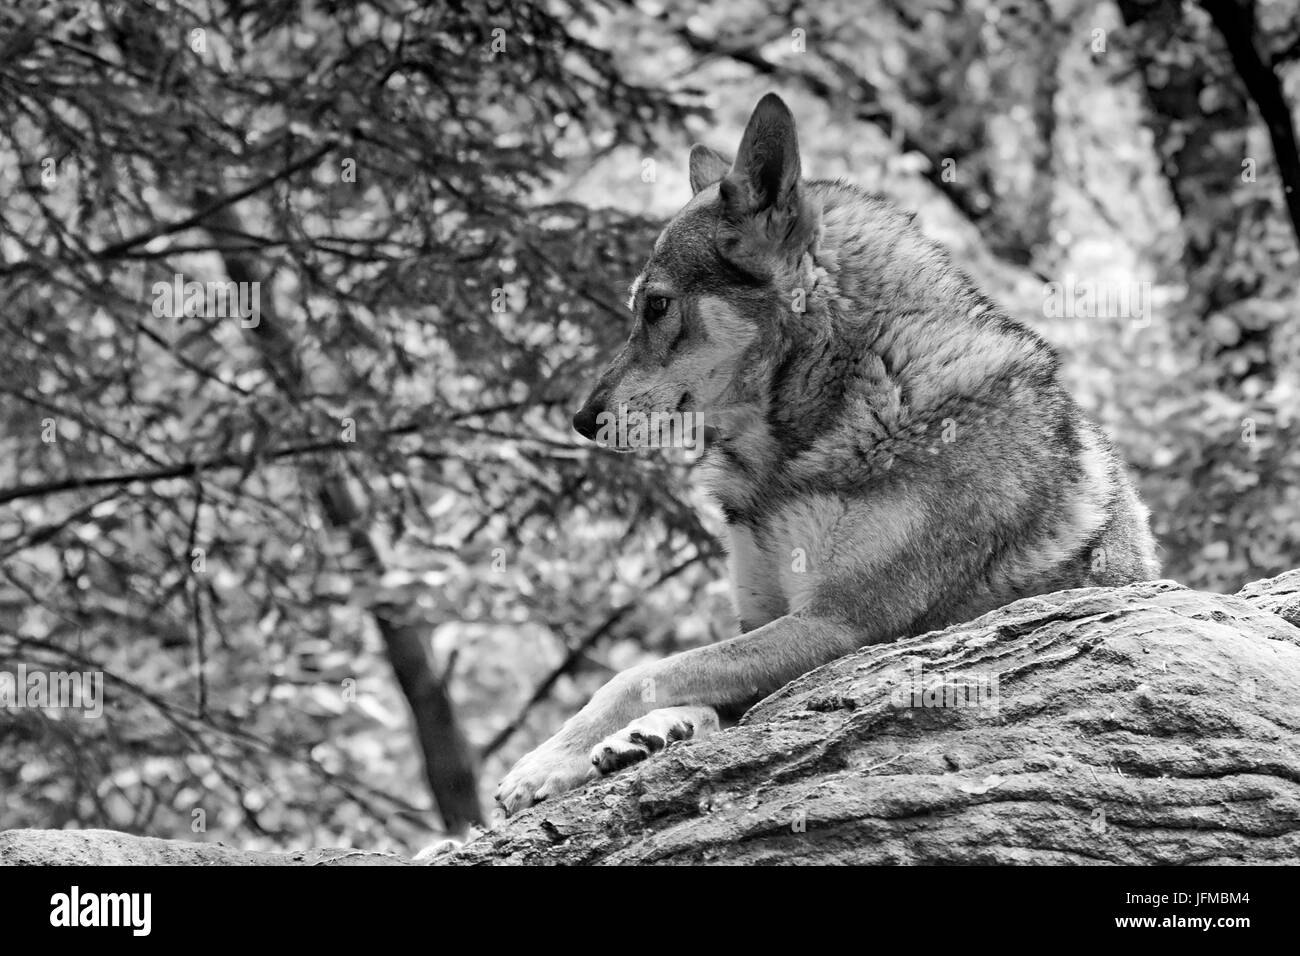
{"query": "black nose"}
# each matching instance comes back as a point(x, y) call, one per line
point(584, 422)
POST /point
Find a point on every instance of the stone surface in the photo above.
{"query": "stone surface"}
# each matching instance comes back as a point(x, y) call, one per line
point(1147, 724)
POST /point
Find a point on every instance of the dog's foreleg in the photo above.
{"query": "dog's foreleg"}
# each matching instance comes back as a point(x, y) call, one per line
point(720, 676)
point(730, 675)
point(737, 673)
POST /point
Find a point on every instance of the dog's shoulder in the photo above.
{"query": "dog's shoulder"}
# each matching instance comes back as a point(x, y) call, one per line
point(943, 412)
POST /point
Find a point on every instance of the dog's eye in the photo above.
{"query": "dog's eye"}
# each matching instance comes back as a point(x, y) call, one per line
point(656, 307)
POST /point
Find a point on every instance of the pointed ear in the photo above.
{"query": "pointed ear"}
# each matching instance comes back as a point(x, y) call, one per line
point(768, 220)
point(767, 167)
point(707, 167)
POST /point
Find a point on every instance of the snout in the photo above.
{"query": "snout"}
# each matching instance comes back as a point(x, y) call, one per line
point(585, 420)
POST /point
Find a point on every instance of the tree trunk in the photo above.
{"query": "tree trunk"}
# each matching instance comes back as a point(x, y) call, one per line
point(1235, 22)
point(449, 762)
point(1200, 118)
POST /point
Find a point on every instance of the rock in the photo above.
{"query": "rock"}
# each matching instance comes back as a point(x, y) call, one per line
point(1149, 724)
point(1146, 724)
point(110, 848)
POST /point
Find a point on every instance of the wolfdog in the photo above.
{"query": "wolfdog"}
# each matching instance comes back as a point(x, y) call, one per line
point(891, 452)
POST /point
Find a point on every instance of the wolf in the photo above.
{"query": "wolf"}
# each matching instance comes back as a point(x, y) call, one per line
point(890, 451)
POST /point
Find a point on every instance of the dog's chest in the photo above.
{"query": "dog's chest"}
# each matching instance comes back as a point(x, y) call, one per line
point(777, 565)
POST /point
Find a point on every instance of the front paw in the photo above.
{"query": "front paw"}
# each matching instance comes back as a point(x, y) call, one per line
point(650, 734)
point(546, 772)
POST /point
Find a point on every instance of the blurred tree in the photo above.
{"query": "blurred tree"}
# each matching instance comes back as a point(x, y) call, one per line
point(423, 322)
point(1239, 217)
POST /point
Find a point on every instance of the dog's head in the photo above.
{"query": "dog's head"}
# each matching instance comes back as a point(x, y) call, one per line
point(719, 284)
